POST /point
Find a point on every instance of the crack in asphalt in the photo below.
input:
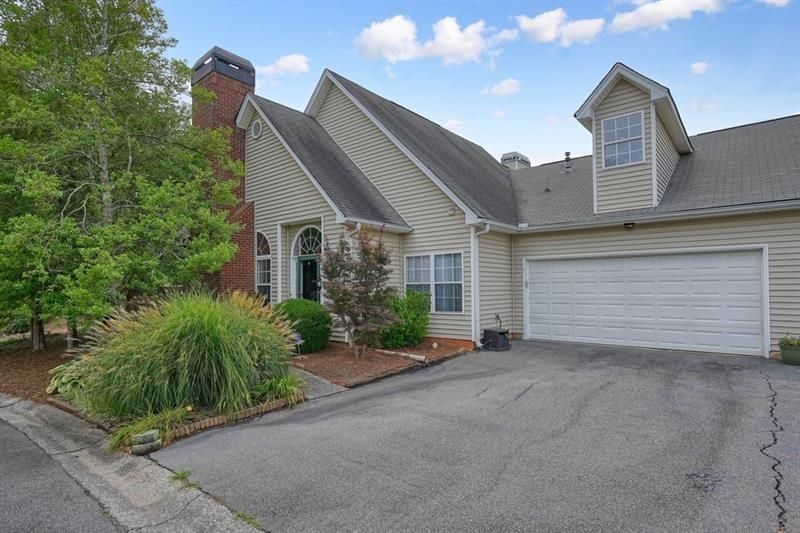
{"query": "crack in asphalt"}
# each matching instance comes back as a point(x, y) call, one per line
point(172, 517)
point(779, 498)
point(76, 450)
point(519, 395)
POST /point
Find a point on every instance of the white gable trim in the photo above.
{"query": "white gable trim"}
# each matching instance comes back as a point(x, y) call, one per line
point(619, 70)
point(316, 101)
point(241, 121)
point(659, 96)
point(243, 118)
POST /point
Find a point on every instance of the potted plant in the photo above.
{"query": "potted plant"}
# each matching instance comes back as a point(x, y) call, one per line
point(790, 350)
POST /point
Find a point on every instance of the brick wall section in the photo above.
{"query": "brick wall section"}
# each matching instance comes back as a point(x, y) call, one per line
point(240, 272)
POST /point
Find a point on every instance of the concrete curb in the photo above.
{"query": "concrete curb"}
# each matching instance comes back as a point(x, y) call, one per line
point(136, 492)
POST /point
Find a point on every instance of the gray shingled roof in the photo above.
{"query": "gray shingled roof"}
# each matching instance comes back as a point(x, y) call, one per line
point(753, 165)
point(465, 168)
point(347, 187)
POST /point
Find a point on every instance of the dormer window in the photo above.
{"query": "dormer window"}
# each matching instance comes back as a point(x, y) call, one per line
point(622, 140)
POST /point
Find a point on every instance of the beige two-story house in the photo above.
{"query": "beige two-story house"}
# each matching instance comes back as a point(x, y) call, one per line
point(656, 239)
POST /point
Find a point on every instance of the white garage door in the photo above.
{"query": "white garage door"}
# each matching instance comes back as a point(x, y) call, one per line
point(698, 301)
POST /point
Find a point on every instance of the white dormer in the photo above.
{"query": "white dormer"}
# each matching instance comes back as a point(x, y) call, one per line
point(637, 138)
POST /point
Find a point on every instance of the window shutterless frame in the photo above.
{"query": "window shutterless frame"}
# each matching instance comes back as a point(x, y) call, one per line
point(606, 143)
point(432, 283)
point(263, 268)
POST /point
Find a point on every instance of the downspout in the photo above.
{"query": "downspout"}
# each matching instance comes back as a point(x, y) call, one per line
point(476, 282)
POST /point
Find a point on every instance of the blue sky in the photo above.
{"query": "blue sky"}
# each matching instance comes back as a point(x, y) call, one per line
point(509, 75)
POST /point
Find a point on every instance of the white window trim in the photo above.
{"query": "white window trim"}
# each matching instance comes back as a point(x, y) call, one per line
point(293, 258)
point(432, 281)
point(261, 258)
point(603, 141)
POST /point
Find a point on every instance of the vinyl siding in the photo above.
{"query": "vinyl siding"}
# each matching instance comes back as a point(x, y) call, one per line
point(438, 224)
point(282, 194)
point(778, 231)
point(495, 279)
point(666, 157)
point(628, 187)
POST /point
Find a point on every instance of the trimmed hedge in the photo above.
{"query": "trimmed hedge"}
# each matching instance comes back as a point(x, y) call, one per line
point(310, 320)
point(411, 320)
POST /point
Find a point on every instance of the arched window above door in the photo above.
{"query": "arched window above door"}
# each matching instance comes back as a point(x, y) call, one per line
point(308, 242)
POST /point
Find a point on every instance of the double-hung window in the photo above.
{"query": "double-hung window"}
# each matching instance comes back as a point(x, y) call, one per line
point(263, 266)
point(623, 143)
point(442, 276)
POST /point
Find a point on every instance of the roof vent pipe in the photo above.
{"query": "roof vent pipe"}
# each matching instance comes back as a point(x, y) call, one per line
point(566, 168)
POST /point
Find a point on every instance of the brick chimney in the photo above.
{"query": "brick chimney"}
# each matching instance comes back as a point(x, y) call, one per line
point(231, 78)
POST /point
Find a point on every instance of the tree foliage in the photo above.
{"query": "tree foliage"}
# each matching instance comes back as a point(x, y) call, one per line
point(107, 192)
point(357, 287)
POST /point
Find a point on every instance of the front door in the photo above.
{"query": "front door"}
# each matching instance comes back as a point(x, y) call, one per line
point(308, 278)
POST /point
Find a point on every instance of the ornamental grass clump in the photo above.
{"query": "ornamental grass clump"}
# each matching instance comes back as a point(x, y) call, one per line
point(213, 352)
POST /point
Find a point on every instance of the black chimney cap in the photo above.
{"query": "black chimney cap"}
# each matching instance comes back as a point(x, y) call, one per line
point(224, 62)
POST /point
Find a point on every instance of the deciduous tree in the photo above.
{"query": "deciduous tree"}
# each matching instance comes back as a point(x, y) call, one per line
point(356, 285)
point(107, 192)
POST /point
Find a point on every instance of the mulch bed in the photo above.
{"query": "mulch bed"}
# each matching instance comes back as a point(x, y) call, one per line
point(337, 364)
point(440, 353)
point(24, 373)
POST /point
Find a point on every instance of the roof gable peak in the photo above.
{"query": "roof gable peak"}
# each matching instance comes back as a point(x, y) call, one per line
point(660, 96)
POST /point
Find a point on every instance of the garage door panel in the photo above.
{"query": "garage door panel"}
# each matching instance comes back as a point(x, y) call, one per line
point(705, 301)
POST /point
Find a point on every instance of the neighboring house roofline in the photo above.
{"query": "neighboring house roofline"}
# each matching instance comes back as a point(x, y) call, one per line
point(319, 96)
point(659, 95)
point(242, 120)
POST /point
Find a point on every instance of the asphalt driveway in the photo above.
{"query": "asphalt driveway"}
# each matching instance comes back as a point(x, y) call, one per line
point(547, 437)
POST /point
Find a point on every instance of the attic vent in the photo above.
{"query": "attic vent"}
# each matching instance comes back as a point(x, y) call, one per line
point(256, 129)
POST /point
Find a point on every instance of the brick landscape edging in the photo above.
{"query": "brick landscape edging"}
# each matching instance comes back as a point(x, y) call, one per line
point(184, 430)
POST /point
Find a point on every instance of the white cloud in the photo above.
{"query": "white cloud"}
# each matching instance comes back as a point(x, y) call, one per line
point(389, 72)
point(700, 67)
point(543, 28)
point(776, 3)
point(453, 124)
point(499, 113)
point(503, 36)
point(504, 88)
point(581, 31)
point(701, 104)
point(292, 64)
point(454, 45)
point(552, 120)
point(552, 25)
point(659, 13)
point(395, 39)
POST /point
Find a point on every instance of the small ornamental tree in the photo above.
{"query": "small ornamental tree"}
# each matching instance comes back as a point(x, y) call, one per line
point(357, 287)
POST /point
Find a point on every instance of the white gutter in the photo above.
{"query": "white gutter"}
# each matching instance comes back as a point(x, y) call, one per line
point(474, 253)
point(666, 217)
point(372, 224)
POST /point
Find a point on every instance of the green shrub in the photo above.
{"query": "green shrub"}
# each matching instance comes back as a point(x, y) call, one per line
point(164, 422)
point(190, 349)
point(411, 320)
point(310, 320)
point(14, 321)
point(788, 341)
